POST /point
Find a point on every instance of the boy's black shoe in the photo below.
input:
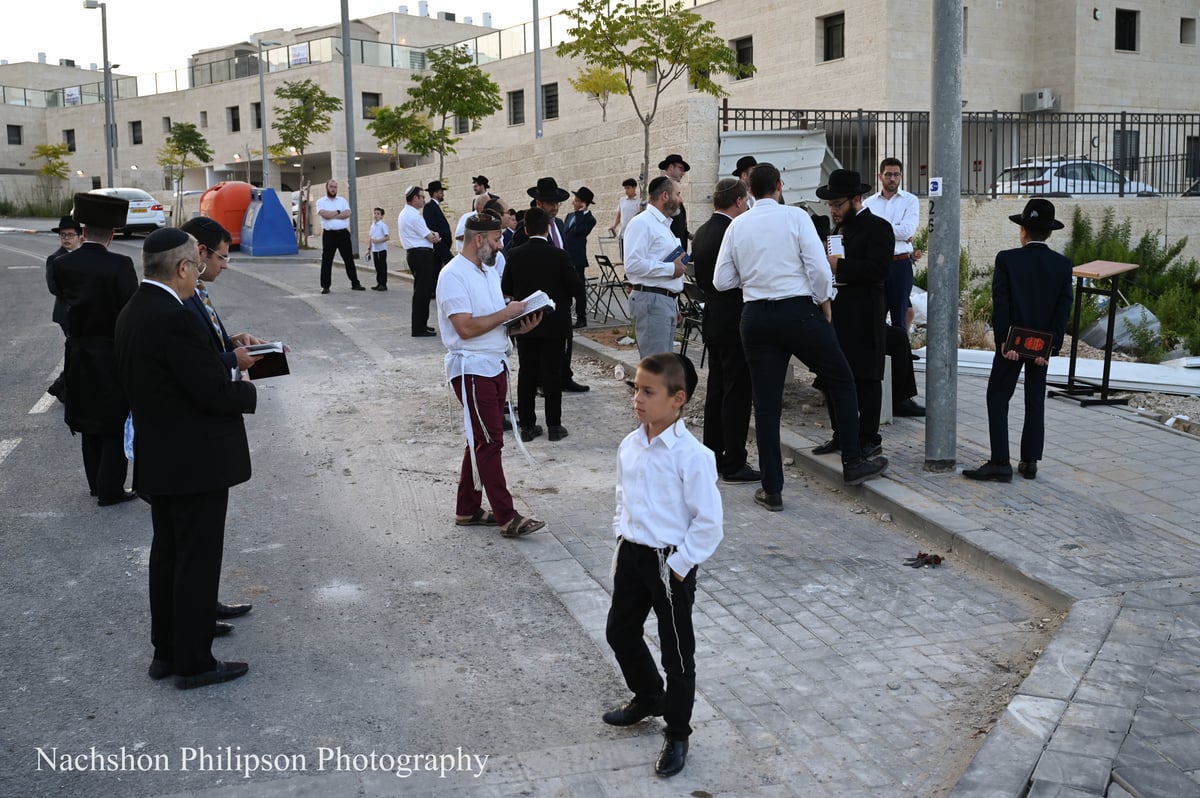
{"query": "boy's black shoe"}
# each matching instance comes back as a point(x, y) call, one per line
point(671, 758)
point(1027, 469)
point(990, 472)
point(634, 711)
point(772, 501)
point(862, 469)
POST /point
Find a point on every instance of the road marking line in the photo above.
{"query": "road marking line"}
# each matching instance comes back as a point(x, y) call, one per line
point(45, 403)
point(62, 361)
point(6, 447)
point(24, 267)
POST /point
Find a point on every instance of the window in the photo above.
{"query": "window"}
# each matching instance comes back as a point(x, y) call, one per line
point(462, 126)
point(833, 37)
point(95, 182)
point(69, 139)
point(371, 101)
point(233, 118)
point(256, 115)
point(744, 51)
point(516, 107)
point(550, 101)
point(1187, 30)
point(1126, 146)
point(166, 124)
point(204, 119)
point(14, 135)
point(1127, 29)
point(416, 59)
point(135, 132)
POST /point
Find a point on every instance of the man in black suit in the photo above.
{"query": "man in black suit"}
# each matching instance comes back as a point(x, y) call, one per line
point(1031, 288)
point(578, 226)
point(435, 219)
point(674, 167)
point(860, 304)
point(95, 284)
point(70, 236)
point(178, 386)
point(727, 404)
point(538, 266)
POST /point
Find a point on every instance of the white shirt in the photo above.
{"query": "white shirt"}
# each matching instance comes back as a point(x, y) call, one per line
point(460, 230)
point(628, 207)
point(413, 230)
point(164, 287)
point(463, 287)
point(667, 495)
point(337, 205)
point(903, 210)
point(772, 251)
point(379, 230)
point(648, 239)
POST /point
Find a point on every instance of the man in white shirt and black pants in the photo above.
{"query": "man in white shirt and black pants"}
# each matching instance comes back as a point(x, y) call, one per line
point(656, 281)
point(418, 240)
point(335, 237)
point(775, 255)
point(903, 210)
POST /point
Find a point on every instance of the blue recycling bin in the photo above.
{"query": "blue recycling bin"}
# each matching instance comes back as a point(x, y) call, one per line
point(267, 228)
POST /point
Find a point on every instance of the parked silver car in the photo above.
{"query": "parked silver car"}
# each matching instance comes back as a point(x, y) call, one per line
point(1073, 176)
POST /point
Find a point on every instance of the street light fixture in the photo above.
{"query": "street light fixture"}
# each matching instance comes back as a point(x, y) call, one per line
point(262, 113)
point(109, 144)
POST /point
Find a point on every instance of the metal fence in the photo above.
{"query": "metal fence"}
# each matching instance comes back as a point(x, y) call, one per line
point(1158, 150)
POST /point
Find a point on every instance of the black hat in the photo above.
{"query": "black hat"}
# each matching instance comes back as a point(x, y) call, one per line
point(1038, 215)
point(481, 180)
point(744, 163)
point(67, 223)
point(690, 378)
point(164, 240)
point(584, 194)
point(547, 190)
point(821, 222)
point(674, 158)
point(100, 210)
point(436, 185)
point(843, 183)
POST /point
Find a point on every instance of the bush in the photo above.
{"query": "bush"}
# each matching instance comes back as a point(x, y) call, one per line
point(974, 287)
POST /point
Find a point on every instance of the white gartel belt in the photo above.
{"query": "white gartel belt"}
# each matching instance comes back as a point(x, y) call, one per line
point(469, 427)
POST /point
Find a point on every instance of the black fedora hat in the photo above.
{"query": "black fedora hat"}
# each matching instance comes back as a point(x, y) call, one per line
point(100, 210)
point(1038, 215)
point(436, 185)
point(547, 190)
point(674, 158)
point(481, 180)
point(844, 183)
point(584, 194)
point(67, 223)
point(744, 163)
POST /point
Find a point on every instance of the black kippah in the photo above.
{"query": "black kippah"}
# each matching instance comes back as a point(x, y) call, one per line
point(165, 239)
point(690, 378)
point(483, 222)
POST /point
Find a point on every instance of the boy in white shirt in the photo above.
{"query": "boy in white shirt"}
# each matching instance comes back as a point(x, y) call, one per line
point(668, 520)
point(380, 235)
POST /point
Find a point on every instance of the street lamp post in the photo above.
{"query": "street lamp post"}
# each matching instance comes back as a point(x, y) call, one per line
point(262, 112)
point(108, 108)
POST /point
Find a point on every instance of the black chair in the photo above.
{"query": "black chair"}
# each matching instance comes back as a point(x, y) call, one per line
point(691, 306)
point(603, 292)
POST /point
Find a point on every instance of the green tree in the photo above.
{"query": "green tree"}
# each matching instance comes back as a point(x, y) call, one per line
point(394, 128)
point(453, 87)
point(184, 148)
point(52, 172)
point(665, 43)
point(599, 84)
point(309, 112)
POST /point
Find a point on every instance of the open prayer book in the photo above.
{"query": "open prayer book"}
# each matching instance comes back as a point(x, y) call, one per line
point(534, 303)
point(274, 360)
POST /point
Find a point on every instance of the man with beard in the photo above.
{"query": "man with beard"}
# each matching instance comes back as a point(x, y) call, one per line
point(674, 167)
point(335, 237)
point(418, 241)
point(858, 309)
point(436, 219)
point(657, 279)
point(472, 316)
point(70, 236)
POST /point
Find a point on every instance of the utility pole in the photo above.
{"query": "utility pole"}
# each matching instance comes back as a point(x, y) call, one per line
point(348, 107)
point(537, 73)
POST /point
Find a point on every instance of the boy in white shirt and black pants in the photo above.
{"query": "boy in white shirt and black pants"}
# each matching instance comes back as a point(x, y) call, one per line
point(668, 520)
point(380, 235)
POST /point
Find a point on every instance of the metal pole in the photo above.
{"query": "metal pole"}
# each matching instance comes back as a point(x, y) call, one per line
point(537, 72)
point(941, 373)
point(110, 145)
point(348, 107)
point(262, 118)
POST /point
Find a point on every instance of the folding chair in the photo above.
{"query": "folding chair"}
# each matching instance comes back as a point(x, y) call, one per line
point(604, 291)
point(691, 306)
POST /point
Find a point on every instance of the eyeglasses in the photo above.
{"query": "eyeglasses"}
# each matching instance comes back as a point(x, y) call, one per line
point(68, 235)
point(891, 174)
point(837, 205)
point(224, 258)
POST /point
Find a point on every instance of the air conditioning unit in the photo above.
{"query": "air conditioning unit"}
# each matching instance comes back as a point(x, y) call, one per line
point(1038, 100)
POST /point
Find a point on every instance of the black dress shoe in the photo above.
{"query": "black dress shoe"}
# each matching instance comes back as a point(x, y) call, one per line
point(431, 330)
point(862, 469)
point(570, 386)
point(828, 447)
point(671, 758)
point(529, 433)
point(990, 472)
point(379, 288)
point(580, 323)
point(124, 496)
point(634, 711)
point(556, 432)
point(772, 501)
point(870, 450)
point(221, 629)
point(224, 672)
point(325, 290)
point(424, 334)
point(1027, 469)
point(742, 476)
point(358, 287)
point(908, 408)
point(159, 669)
point(232, 610)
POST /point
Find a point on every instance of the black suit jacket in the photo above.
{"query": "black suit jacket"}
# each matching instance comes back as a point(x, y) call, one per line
point(224, 345)
point(860, 305)
point(520, 236)
point(679, 227)
point(1031, 287)
point(722, 309)
point(187, 414)
point(59, 314)
point(575, 232)
point(435, 220)
point(538, 265)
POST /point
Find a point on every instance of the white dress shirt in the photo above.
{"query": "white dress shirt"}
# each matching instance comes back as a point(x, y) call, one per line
point(629, 208)
point(648, 239)
point(379, 230)
point(903, 210)
point(337, 205)
point(772, 251)
point(463, 287)
point(667, 495)
point(413, 230)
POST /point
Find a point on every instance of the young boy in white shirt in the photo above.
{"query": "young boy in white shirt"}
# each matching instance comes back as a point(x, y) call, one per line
point(668, 520)
point(380, 235)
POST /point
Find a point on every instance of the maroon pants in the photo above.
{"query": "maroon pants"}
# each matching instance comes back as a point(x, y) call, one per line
point(485, 398)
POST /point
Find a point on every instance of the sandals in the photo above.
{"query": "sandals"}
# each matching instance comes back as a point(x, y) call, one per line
point(480, 517)
point(521, 526)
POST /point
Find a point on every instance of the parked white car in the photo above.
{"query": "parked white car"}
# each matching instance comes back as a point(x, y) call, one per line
point(1074, 176)
point(145, 213)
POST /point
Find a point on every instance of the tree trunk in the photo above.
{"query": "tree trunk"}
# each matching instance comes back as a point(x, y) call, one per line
point(645, 180)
